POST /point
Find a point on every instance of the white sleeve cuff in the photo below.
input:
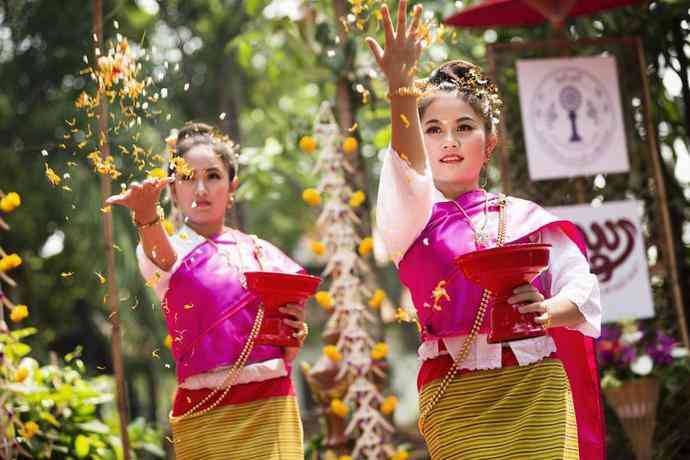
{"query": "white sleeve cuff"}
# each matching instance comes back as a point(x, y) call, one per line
point(590, 309)
point(571, 279)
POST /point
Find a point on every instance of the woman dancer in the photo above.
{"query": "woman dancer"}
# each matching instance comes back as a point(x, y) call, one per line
point(531, 399)
point(235, 398)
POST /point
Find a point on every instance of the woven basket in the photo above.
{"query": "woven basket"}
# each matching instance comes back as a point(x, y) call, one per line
point(635, 404)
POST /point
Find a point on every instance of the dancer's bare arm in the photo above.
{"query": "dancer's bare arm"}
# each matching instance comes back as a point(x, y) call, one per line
point(142, 200)
point(398, 62)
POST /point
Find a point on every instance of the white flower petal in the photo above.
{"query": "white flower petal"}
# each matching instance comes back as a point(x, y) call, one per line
point(679, 352)
point(631, 337)
point(643, 365)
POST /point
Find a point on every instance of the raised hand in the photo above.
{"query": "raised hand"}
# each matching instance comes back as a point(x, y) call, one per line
point(398, 61)
point(141, 198)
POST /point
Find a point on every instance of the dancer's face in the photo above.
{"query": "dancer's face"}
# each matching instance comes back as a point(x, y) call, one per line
point(456, 142)
point(203, 197)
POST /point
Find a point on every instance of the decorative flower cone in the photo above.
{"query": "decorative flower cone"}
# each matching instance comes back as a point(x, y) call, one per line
point(349, 364)
point(635, 403)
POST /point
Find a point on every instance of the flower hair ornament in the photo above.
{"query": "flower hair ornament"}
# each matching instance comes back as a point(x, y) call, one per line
point(467, 79)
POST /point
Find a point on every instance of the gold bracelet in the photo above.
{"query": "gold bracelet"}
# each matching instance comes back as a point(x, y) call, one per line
point(406, 91)
point(147, 225)
point(302, 334)
point(547, 324)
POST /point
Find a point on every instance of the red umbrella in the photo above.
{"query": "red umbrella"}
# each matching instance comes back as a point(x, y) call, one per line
point(504, 13)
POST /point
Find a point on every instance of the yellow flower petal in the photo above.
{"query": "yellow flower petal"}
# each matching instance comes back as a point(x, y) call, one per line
point(311, 196)
point(377, 298)
point(403, 315)
point(332, 353)
point(21, 374)
point(400, 454)
point(157, 173)
point(339, 408)
point(307, 144)
point(379, 351)
point(19, 312)
point(168, 341)
point(324, 299)
point(317, 247)
point(350, 145)
point(169, 227)
point(388, 405)
point(10, 262)
point(52, 177)
point(10, 202)
point(29, 429)
point(366, 246)
point(357, 198)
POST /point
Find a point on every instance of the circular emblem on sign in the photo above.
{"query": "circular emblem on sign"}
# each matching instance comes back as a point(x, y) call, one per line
point(572, 115)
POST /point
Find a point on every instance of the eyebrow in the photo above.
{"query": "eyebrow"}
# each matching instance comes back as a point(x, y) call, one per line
point(433, 120)
point(211, 169)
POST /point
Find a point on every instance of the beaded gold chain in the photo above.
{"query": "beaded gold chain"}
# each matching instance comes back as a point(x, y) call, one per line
point(471, 337)
point(232, 375)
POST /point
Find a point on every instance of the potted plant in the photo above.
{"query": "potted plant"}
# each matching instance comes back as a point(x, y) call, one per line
point(635, 361)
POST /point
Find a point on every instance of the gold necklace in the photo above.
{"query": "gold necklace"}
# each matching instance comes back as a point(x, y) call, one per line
point(481, 236)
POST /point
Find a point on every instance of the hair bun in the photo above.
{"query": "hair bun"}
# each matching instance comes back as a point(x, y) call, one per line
point(193, 128)
point(455, 73)
point(467, 78)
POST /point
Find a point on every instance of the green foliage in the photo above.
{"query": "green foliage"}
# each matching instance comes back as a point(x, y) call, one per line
point(55, 411)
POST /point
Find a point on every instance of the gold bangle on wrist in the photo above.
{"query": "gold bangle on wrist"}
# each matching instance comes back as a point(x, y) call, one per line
point(148, 224)
point(302, 334)
point(406, 91)
point(547, 324)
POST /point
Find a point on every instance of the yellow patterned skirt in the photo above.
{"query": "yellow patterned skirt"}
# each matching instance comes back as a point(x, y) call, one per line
point(519, 412)
point(266, 429)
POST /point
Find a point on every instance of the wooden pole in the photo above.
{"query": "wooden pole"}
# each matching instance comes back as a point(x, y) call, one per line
point(107, 223)
point(667, 232)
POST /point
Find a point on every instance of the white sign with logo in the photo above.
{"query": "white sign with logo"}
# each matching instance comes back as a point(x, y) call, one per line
point(616, 255)
point(571, 117)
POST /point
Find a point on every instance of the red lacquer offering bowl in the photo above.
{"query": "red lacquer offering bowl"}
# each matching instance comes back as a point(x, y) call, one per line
point(500, 270)
point(275, 290)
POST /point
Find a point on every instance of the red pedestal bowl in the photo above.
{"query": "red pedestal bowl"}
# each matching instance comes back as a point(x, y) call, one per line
point(275, 290)
point(500, 270)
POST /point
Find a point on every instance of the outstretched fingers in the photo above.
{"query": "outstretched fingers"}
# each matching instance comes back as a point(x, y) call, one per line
point(387, 25)
point(416, 20)
point(119, 199)
point(402, 21)
point(376, 50)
